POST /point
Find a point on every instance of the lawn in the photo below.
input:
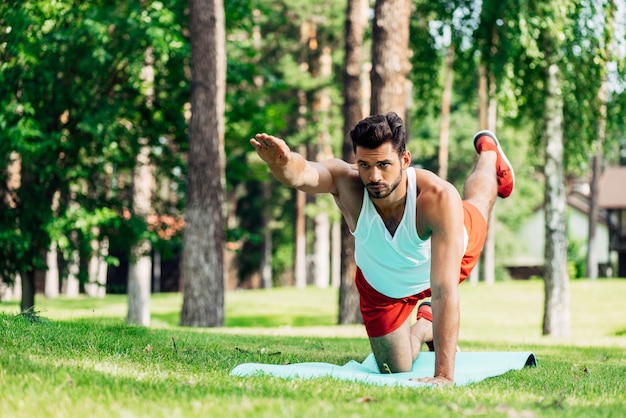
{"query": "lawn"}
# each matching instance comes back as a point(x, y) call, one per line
point(81, 360)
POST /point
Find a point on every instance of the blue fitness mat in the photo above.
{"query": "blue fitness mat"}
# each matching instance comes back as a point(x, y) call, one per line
point(470, 367)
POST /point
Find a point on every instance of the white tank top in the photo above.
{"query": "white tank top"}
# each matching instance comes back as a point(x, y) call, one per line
point(396, 266)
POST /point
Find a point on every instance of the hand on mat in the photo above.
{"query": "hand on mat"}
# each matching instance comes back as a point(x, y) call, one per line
point(437, 381)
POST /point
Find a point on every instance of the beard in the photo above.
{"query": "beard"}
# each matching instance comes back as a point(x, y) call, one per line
point(381, 189)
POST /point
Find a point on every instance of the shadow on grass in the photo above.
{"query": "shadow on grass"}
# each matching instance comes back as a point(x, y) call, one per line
point(279, 320)
point(258, 321)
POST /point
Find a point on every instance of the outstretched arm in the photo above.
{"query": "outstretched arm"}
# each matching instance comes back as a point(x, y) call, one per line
point(291, 169)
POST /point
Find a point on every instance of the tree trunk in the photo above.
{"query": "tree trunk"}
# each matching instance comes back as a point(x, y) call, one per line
point(596, 171)
point(300, 268)
point(204, 236)
point(98, 269)
point(28, 290)
point(356, 21)
point(266, 256)
point(321, 231)
point(52, 273)
point(140, 267)
point(390, 57)
point(483, 96)
point(489, 252)
point(139, 285)
point(483, 106)
point(31, 221)
point(556, 320)
point(71, 284)
point(594, 209)
point(487, 112)
point(446, 98)
point(156, 272)
point(322, 250)
point(488, 265)
point(335, 254)
point(266, 260)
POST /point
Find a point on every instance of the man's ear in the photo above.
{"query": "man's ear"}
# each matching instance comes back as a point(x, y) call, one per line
point(406, 159)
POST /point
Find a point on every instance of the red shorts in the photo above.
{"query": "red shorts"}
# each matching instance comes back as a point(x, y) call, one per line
point(382, 314)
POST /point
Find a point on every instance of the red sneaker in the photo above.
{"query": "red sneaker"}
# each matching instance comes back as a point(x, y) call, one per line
point(487, 141)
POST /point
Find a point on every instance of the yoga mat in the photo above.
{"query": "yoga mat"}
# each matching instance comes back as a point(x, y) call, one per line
point(470, 367)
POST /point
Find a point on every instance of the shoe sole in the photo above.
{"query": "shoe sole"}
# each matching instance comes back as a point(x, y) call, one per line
point(500, 151)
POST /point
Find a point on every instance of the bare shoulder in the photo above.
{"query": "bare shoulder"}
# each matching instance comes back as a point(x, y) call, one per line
point(336, 166)
point(431, 186)
point(436, 201)
point(345, 175)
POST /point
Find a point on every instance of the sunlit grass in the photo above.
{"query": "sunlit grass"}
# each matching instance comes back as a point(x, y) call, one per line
point(514, 311)
point(82, 360)
point(507, 311)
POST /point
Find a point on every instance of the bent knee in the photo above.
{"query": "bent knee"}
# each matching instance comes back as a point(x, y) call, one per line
point(393, 351)
point(392, 360)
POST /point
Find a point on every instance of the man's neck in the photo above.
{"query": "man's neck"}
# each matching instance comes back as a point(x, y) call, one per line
point(391, 208)
point(387, 208)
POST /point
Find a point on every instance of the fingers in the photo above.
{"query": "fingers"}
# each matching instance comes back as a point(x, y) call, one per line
point(264, 141)
point(436, 381)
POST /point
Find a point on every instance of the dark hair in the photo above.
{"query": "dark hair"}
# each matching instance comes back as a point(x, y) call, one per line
point(374, 131)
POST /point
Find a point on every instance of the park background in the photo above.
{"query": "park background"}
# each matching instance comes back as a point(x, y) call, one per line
point(131, 202)
point(127, 168)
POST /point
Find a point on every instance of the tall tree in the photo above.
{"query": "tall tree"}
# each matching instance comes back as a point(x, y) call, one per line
point(301, 271)
point(203, 265)
point(73, 111)
point(356, 21)
point(140, 266)
point(553, 24)
point(390, 52)
point(493, 54)
point(446, 99)
point(323, 218)
point(556, 277)
point(604, 58)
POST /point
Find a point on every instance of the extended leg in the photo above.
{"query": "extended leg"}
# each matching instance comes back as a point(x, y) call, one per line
point(493, 175)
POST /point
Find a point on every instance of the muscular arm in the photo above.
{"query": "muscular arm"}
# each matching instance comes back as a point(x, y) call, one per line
point(443, 215)
point(293, 170)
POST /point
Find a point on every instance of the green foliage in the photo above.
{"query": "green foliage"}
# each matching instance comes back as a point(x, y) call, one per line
point(270, 69)
point(80, 220)
point(573, 34)
point(77, 107)
point(576, 258)
point(433, 26)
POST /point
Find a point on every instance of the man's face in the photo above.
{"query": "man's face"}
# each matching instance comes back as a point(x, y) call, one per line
point(381, 169)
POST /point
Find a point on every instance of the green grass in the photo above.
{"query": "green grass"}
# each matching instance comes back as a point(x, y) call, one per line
point(81, 360)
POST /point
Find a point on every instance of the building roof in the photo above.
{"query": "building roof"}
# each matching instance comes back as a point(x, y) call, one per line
point(580, 202)
point(612, 188)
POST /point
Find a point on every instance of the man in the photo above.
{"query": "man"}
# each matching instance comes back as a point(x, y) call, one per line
point(414, 235)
